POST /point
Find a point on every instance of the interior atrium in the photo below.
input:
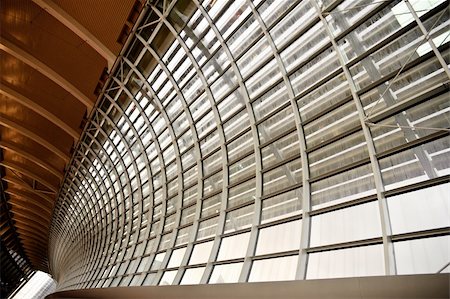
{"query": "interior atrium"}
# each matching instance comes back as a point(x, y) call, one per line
point(190, 142)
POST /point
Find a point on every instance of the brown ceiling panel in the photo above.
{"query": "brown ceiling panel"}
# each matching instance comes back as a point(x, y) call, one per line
point(107, 28)
point(14, 137)
point(10, 110)
point(30, 83)
point(41, 173)
point(32, 29)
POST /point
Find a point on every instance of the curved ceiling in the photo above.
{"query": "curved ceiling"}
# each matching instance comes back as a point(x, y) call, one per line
point(53, 57)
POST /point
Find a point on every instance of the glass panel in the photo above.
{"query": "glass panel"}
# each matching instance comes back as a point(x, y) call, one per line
point(239, 219)
point(158, 261)
point(176, 257)
point(200, 253)
point(423, 255)
point(350, 224)
point(192, 276)
point(168, 278)
point(282, 268)
point(228, 273)
point(233, 247)
point(278, 238)
point(350, 262)
point(282, 206)
point(420, 210)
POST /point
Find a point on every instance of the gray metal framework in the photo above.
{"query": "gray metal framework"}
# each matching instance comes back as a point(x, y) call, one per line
point(261, 140)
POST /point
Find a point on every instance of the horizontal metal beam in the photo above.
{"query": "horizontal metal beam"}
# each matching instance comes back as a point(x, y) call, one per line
point(66, 19)
point(36, 177)
point(26, 187)
point(44, 69)
point(29, 156)
point(35, 137)
point(33, 105)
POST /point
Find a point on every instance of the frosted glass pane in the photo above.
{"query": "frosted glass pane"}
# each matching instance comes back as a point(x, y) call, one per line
point(233, 247)
point(420, 210)
point(354, 223)
point(228, 273)
point(192, 276)
point(276, 269)
point(201, 252)
point(351, 262)
point(176, 257)
point(278, 238)
point(423, 255)
point(168, 278)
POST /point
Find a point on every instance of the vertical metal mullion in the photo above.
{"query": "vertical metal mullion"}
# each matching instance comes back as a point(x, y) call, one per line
point(221, 220)
point(427, 37)
point(389, 258)
point(258, 164)
point(306, 194)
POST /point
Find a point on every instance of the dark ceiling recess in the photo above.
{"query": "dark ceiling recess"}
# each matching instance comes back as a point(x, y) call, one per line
point(52, 54)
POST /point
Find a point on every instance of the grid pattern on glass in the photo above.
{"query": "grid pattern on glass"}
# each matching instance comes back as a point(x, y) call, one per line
point(235, 124)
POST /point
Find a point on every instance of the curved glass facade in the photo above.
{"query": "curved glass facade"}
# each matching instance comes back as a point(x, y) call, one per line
point(267, 140)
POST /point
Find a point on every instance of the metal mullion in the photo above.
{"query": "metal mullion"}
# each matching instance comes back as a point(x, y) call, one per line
point(123, 139)
point(281, 163)
point(346, 245)
point(380, 45)
point(83, 239)
point(220, 74)
point(208, 155)
point(227, 94)
point(209, 109)
point(281, 221)
point(428, 95)
point(340, 170)
point(344, 205)
point(216, 116)
point(97, 246)
point(78, 209)
point(279, 136)
point(180, 179)
point(362, 20)
point(237, 136)
point(275, 255)
point(239, 206)
point(257, 69)
point(426, 35)
point(395, 72)
point(273, 112)
point(421, 185)
point(281, 191)
point(412, 144)
point(389, 257)
point(317, 85)
point(222, 216)
point(332, 6)
point(306, 198)
point(227, 262)
point(373, 69)
point(436, 232)
point(163, 185)
point(188, 148)
point(241, 157)
point(349, 132)
point(148, 169)
point(205, 177)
